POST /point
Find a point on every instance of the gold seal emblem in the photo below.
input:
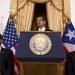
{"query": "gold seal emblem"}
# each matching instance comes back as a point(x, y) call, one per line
point(40, 44)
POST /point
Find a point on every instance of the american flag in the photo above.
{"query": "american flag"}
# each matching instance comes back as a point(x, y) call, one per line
point(9, 37)
point(10, 40)
point(69, 37)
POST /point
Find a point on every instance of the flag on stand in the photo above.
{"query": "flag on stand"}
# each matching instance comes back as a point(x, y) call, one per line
point(10, 40)
point(69, 37)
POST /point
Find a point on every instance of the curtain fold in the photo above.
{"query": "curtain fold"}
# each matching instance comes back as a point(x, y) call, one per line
point(67, 13)
point(54, 15)
point(57, 10)
point(25, 17)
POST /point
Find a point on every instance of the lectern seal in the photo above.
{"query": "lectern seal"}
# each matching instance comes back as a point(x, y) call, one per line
point(40, 44)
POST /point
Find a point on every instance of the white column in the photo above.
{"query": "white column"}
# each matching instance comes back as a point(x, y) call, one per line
point(72, 8)
point(4, 14)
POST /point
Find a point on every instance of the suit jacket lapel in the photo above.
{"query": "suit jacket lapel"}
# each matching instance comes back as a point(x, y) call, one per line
point(2, 51)
point(3, 58)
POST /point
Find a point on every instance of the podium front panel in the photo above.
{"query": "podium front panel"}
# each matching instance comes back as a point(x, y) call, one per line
point(56, 54)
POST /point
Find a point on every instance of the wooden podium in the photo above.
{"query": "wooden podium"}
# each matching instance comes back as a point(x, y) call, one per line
point(51, 63)
point(36, 68)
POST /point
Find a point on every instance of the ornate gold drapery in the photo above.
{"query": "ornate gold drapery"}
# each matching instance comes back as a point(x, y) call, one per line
point(25, 17)
point(57, 13)
point(66, 11)
point(54, 14)
point(39, 1)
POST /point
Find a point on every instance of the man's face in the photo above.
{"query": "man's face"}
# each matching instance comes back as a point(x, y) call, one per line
point(40, 22)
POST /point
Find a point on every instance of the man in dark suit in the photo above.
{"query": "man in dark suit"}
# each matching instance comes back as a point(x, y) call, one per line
point(6, 60)
point(70, 64)
point(42, 24)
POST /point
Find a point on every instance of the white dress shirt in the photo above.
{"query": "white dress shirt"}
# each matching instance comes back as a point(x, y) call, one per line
point(42, 29)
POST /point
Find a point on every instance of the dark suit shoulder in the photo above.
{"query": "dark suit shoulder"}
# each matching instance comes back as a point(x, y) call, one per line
point(48, 29)
point(7, 51)
point(71, 54)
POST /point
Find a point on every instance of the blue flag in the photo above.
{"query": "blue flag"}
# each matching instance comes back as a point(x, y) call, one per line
point(9, 36)
point(10, 39)
point(69, 37)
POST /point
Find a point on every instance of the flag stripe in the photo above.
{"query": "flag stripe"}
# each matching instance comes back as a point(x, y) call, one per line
point(10, 40)
point(69, 37)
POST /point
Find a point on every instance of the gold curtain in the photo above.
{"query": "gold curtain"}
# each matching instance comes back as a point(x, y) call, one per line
point(54, 15)
point(25, 17)
point(39, 1)
point(66, 9)
point(57, 13)
point(13, 6)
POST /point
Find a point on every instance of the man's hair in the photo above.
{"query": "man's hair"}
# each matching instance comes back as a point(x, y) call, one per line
point(43, 17)
point(1, 37)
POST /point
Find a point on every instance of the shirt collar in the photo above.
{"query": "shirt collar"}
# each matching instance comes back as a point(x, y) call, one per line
point(42, 29)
